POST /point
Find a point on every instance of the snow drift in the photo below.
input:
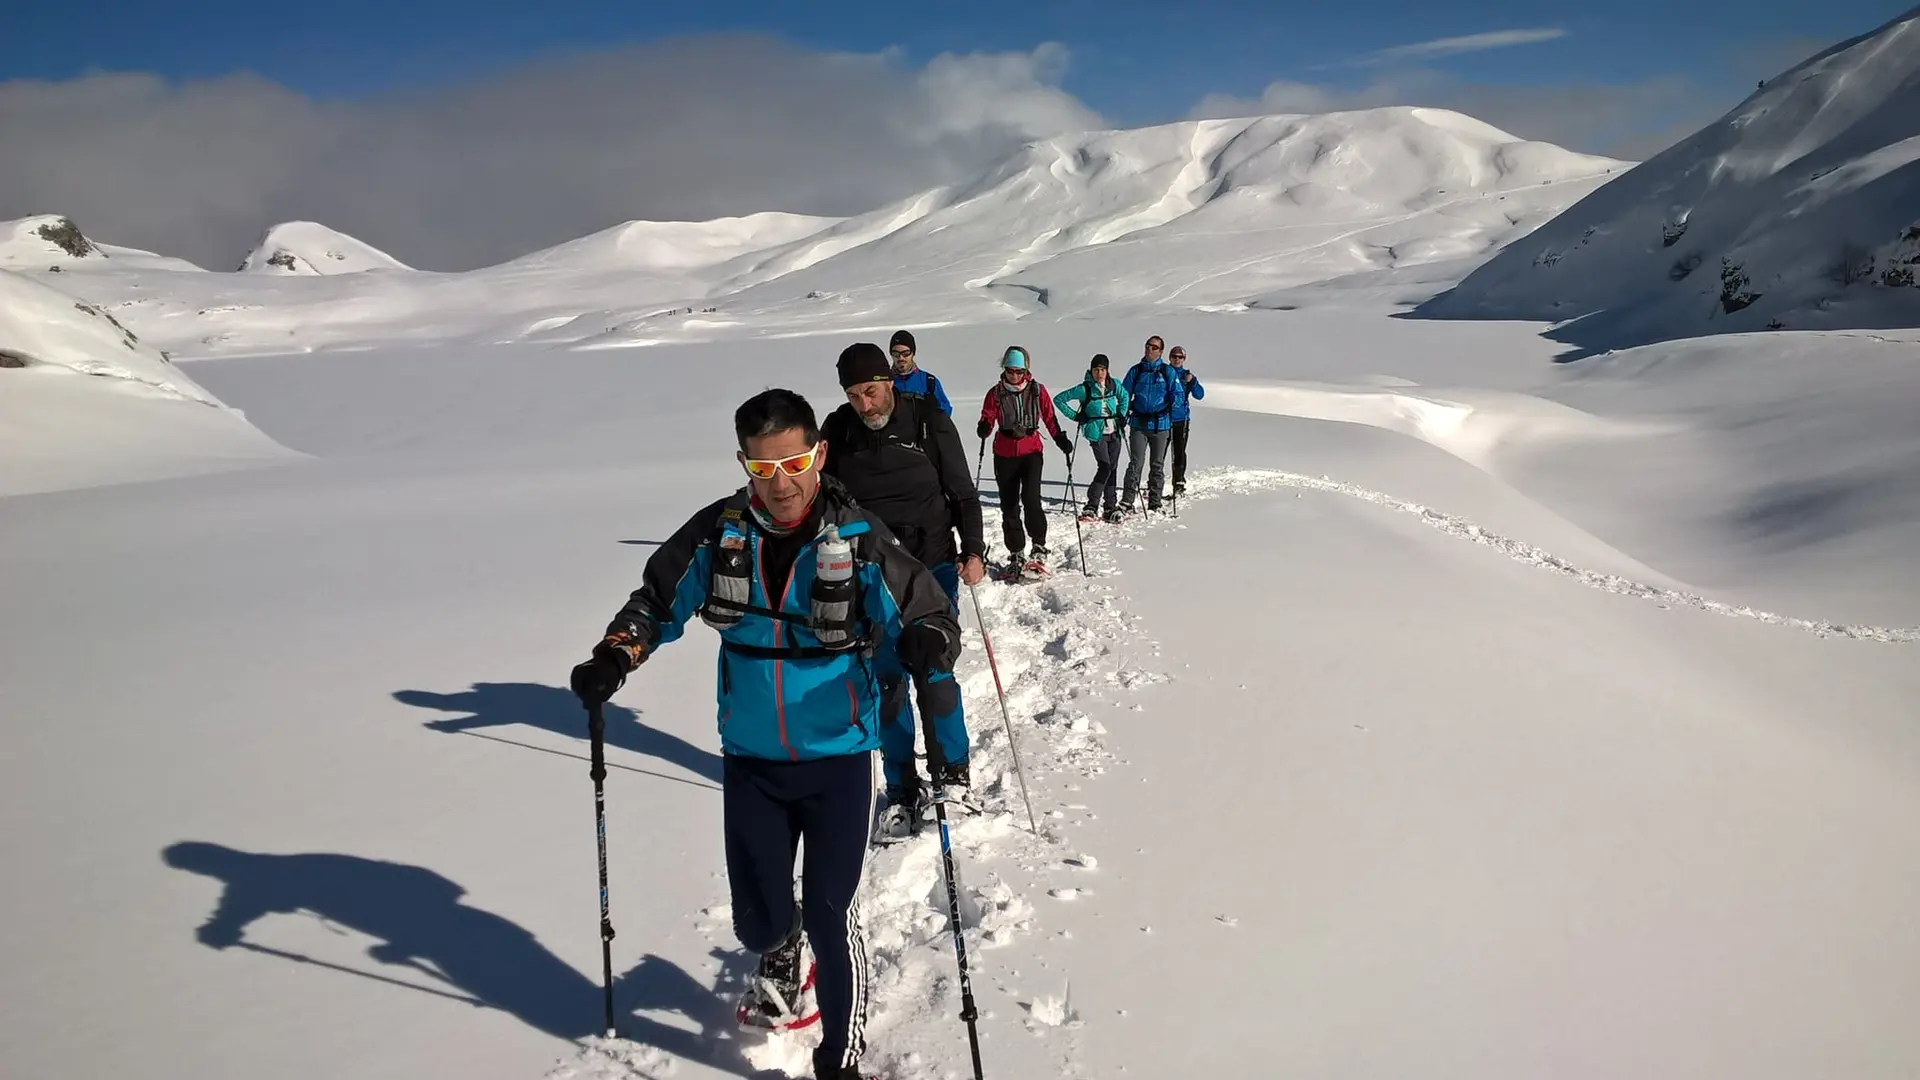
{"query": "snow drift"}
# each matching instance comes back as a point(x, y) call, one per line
point(83, 401)
point(1800, 209)
point(310, 249)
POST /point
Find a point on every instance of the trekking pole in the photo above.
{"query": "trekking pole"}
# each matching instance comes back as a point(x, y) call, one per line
point(1073, 498)
point(597, 732)
point(936, 761)
point(980, 463)
point(1079, 538)
point(1005, 716)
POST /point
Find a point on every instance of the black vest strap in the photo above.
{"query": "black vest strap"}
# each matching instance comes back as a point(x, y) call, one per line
point(723, 604)
point(793, 652)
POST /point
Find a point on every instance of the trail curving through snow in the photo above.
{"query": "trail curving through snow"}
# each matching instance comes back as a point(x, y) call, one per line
point(1243, 481)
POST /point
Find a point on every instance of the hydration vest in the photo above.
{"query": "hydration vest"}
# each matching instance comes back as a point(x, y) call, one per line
point(834, 608)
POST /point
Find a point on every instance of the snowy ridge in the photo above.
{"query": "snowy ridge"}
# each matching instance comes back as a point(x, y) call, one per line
point(55, 244)
point(1053, 640)
point(310, 249)
point(1795, 210)
point(1196, 215)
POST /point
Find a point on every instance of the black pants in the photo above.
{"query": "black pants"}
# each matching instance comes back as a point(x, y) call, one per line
point(769, 807)
point(1019, 480)
point(1180, 453)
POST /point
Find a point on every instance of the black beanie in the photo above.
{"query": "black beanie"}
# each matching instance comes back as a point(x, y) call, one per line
point(1100, 360)
point(863, 362)
point(903, 337)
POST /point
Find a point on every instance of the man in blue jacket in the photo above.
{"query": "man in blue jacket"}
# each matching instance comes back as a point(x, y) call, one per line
point(797, 699)
point(1151, 397)
point(908, 375)
point(1187, 386)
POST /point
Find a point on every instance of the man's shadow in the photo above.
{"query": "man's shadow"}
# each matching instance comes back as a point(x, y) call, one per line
point(461, 952)
point(555, 709)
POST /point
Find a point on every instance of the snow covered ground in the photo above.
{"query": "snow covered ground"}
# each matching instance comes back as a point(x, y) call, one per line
point(1478, 716)
point(84, 401)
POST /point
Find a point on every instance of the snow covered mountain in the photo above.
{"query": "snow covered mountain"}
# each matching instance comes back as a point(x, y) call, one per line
point(84, 401)
point(310, 249)
point(54, 244)
point(1199, 215)
point(1800, 209)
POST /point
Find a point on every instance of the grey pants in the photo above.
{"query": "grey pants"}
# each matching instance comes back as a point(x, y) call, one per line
point(1106, 472)
point(1138, 444)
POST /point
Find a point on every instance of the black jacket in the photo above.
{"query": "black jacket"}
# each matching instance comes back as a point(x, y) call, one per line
point(912, 475)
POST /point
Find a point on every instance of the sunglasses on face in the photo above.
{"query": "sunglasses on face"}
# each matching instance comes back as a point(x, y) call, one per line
point(1178, 355)
point(1154, 346)
point(902, 354)
point(768, 468)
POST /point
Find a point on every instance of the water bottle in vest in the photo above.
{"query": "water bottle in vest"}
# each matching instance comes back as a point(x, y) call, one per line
point(833, 590)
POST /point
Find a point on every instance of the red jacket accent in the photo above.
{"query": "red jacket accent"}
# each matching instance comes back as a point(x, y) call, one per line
point(1005, 445)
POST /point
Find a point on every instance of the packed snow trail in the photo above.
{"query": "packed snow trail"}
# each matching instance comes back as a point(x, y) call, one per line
point(1054, 644)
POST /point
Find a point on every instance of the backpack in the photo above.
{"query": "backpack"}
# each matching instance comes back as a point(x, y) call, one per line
point(1166, 407)
point(1019, 410)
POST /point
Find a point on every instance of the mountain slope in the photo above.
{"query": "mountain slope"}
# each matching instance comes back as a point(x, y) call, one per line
point(84, 401)
point(1197, 215)
point(1184, 215)
point(52, 242)
point(1799, 209)
point(309, 248)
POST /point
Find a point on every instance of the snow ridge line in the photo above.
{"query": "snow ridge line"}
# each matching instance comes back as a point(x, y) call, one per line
point(1242, 481)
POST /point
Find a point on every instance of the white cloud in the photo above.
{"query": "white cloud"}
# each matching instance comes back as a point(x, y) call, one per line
point(1454, 46)
point(450, 179)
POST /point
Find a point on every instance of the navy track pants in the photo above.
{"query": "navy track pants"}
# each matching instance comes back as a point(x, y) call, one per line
point(770, 807)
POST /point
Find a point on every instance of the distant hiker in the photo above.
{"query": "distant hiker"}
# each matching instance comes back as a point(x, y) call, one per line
point(1019, 405)
point(901, 459)
point(909, 376)
point(802, 586)
point(1099, 406)
point(1186, 385)
point(1151, 396)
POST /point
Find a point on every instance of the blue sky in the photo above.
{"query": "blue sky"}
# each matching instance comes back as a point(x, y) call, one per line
point(454, 133)
point(1132, 62)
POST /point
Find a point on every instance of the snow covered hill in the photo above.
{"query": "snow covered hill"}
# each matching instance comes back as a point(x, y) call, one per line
point(1800, 209)
point(310, 249)
point(55, 244)
point(84, 401)
point(1199, 215)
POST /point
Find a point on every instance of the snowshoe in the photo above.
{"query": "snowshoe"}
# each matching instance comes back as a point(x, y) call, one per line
point(1112, 517)
point(905, 813)
point(777, 998)
point(1036, 566)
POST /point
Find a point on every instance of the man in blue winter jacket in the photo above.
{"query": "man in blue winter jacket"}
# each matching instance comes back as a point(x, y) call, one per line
point(1186, 386)
point(1151, 397)
point(799, 618)
point(909, 377)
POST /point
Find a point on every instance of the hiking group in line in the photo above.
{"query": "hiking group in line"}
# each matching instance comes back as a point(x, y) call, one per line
point(832, 578)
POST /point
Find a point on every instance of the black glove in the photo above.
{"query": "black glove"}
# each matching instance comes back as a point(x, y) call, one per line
point(1065, 444)
point(921, 648)
point(985, 429)
point(597, 680)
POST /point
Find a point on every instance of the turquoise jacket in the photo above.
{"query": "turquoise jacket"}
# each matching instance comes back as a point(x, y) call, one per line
point(1092, 408)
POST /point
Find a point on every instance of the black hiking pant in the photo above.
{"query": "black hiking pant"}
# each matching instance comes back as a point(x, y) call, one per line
point(1180, 453)
point(770, 806)
point(1019, 482)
